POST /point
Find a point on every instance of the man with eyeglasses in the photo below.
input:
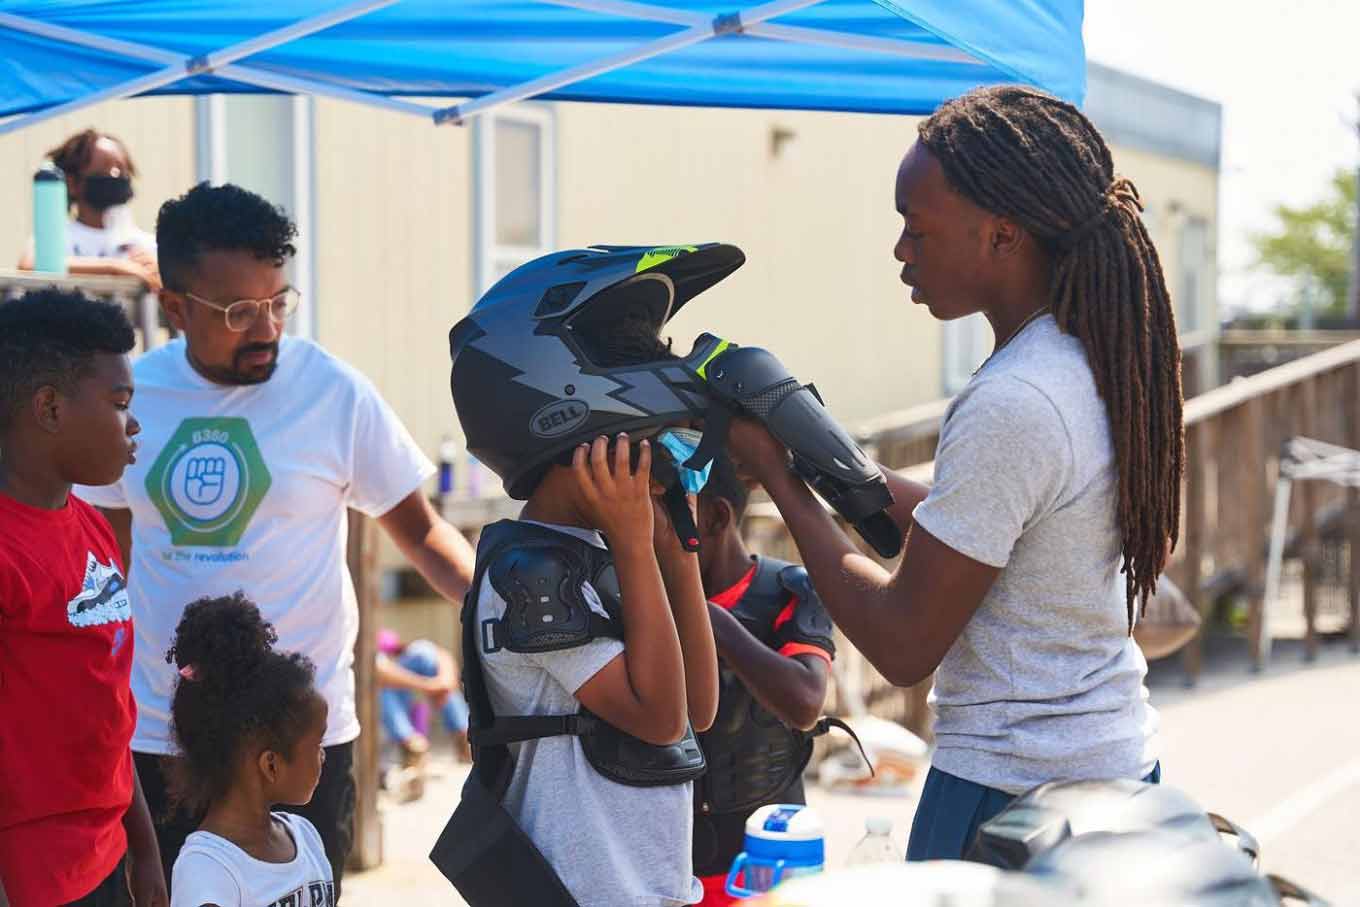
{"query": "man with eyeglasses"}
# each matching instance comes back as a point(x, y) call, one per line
point(254, 443)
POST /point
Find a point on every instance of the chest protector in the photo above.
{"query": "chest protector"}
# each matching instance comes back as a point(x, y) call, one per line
point(539, 573)
point(753, 757)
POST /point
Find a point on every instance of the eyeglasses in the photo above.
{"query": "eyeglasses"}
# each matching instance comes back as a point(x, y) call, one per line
point(242, 314)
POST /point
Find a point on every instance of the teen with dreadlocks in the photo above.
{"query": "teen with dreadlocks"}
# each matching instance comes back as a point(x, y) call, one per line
point(1058, 466)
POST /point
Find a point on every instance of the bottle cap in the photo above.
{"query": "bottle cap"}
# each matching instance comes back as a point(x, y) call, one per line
point(878, 825)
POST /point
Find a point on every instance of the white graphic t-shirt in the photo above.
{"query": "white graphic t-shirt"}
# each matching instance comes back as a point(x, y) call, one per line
point(83, 241)
point(246, 488)
point(212, 870)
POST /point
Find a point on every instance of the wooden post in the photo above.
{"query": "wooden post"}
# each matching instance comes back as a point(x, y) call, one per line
point(1353, 500)
point(363, 567)
point(1196, 482)
point(1308, 550)
point(1255, 523)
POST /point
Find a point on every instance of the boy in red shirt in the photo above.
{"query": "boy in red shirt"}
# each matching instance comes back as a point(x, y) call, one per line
point(74, 827)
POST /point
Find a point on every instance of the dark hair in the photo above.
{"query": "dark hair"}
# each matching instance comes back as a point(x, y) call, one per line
point(50, 337)
point(225, 218)
point(73, 155)
point(723, 483)
point(1028, 156)
point(631, 339)
point(239, 693)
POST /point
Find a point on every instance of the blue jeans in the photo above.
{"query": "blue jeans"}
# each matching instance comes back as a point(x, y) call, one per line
point(405, 712)
point(952, 810)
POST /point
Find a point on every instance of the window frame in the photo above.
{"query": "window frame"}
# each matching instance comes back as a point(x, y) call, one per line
point(489, 255)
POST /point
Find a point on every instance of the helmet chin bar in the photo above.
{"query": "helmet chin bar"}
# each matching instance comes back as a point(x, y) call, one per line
point(751, 382)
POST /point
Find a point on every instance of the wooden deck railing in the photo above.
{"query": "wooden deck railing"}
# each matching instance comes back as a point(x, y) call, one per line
point(142, 306)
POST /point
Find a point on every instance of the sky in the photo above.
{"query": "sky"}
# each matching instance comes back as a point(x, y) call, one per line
point(1286, 73)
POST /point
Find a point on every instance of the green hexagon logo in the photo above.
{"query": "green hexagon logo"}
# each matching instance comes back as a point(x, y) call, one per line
point(208, 482)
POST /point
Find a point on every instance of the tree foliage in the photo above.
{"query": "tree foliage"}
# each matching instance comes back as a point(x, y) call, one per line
point(1314, 243)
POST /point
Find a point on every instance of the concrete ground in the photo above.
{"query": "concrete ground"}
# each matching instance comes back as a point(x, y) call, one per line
point(1277, 752)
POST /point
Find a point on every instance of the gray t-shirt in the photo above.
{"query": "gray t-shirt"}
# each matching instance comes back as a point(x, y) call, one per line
point(611, 844)
point(1045, 682)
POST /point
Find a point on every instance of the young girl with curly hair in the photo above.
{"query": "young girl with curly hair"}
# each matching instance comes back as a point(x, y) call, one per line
point(249, 725)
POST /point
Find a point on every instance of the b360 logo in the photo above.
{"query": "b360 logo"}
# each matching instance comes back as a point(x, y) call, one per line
point(559, 418)
point(208, 481)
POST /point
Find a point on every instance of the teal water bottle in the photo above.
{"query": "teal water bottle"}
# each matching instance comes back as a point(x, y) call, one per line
point(49, 219)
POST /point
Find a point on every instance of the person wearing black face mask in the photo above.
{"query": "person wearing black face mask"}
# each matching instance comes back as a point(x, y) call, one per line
point(101, 238)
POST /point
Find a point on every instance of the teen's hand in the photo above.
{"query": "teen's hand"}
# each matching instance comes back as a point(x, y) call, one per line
point(146, 878)
point(755, 453)
point(616, 499)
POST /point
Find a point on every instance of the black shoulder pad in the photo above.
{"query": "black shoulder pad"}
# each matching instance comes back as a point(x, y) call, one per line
point(545, 609)
point(810, 624)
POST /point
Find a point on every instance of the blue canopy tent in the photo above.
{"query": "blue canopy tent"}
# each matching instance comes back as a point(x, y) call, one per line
point(883, 56)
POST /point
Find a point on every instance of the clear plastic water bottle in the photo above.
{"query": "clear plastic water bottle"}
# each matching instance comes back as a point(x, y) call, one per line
point(877, 844)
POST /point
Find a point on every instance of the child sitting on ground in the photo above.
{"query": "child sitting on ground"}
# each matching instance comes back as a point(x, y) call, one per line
point(249, 724)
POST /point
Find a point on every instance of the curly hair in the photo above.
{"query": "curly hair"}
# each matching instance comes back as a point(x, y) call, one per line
point(235, 693)
point(219, 218)
point(50, 338)
point(1026, 155)
point(73, 155)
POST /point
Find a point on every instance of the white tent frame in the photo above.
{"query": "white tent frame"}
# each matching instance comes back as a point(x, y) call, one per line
point(696, 27)
point(1303, 459)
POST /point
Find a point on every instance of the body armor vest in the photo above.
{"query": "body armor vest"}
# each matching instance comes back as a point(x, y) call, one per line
point(753, 757)
point(539, 573)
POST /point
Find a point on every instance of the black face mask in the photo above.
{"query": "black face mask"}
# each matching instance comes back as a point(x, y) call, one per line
point(101, 192)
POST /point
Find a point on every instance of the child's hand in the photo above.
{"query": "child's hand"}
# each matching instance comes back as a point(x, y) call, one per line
point(616, 499)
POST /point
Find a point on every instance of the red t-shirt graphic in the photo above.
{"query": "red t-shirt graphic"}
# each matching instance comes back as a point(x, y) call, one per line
point(66, 713)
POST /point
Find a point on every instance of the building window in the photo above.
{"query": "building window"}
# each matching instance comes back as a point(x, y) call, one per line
point(514, 170)
point(967, 343)
point(1193, 285)
point(264, 143)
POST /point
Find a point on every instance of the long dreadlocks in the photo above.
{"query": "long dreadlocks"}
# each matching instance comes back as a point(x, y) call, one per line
point(1030, 157)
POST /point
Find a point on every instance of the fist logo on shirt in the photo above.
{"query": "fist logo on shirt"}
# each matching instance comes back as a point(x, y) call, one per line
point(203, 480)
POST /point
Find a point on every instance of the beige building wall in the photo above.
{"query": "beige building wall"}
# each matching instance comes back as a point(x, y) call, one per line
point(395, 243)
point(159, 134)
point(807, 196)
point(393, 253)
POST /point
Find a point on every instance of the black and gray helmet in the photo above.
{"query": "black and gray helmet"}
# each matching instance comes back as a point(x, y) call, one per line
point(526, 380)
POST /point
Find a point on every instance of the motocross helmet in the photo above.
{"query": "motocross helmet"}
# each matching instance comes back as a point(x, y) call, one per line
point(1156, 867)
point(1050, 814)
point(527, 378)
